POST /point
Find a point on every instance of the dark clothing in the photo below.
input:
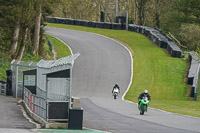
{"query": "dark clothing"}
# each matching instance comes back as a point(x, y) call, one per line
point(116, 86)
point(143, 94)
point(141, 97)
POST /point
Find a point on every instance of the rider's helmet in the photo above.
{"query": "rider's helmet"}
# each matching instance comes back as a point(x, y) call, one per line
point(145, 91)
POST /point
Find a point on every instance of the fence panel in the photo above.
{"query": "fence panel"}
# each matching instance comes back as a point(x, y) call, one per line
point(35, 103)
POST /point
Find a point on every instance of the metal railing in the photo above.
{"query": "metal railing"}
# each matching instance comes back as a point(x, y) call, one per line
point(196, 83)
point(2, 89)
point(40, 92)
point(40, 105)
point(35, 103)
point(194, 75)
point(17, 68)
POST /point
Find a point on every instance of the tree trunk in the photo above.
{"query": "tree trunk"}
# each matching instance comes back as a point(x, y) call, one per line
point(143, 11)
point(37, 32)
point(22, 47)
point(15, 38)
point(140, 5)
point(157, 14)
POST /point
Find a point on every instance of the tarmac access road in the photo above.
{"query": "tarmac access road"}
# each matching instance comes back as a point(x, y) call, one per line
point(102, 63)
point(12, 119)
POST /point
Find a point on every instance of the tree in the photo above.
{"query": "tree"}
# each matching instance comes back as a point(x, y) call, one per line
point(43, 8)
point(16, 15)
point(140, 5)
point(157, 12)
point(11, 13)
point(190, 36)
point(85, 10)
point(15, 37)
point(26, 25)
point(37, 27)
point(22, 46)
point(188, 11)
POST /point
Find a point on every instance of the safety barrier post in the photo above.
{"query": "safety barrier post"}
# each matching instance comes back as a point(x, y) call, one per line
point(25, 95)
point(0, 88)
point(33, 104)
point(30, 102)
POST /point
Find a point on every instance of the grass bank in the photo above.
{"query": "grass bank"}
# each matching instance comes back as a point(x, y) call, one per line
point(153, 69)
point(4, 65)
point(62, 50)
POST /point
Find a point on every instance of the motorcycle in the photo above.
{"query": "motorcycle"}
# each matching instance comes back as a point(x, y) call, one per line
point(144, 103)
point(115, 93)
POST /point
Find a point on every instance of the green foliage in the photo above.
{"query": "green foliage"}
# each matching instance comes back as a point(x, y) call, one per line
point(7, 13)
point(190, 36)
point(78, 9)
point(4, 65)
point(167, 15)
point(45, 52)
point(30, 57)
point(198, 91)
point(24, 11)
point(189, 11)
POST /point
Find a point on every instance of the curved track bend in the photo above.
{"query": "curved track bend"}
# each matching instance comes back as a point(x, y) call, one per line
point(102, 63)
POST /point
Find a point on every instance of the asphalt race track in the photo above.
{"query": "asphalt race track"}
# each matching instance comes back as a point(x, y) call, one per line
point(102, 63)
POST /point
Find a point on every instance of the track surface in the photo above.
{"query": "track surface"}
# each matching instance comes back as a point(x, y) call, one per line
point(102, 63)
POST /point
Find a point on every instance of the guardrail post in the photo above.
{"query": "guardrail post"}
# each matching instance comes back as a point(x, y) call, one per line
point(33, 104)
point(195, 96)
point(126, 20)
point(16, 81)
point(0, 87)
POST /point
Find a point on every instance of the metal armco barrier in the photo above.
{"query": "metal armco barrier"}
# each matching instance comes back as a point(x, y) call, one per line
point(154, 35)
point(193, 75)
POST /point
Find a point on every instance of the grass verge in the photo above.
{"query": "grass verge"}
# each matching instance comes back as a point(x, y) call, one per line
point(4, 65)
point(153, 69)
point(62, 50)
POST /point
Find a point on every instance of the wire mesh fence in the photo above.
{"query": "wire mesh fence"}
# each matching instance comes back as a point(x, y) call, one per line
point(17, 68)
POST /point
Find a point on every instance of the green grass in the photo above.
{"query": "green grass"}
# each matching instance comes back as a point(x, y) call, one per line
point(45, 53)
point(28, 57)
point(4, 65)
point(153, 69)
point(61, 49)
point(198, 91)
